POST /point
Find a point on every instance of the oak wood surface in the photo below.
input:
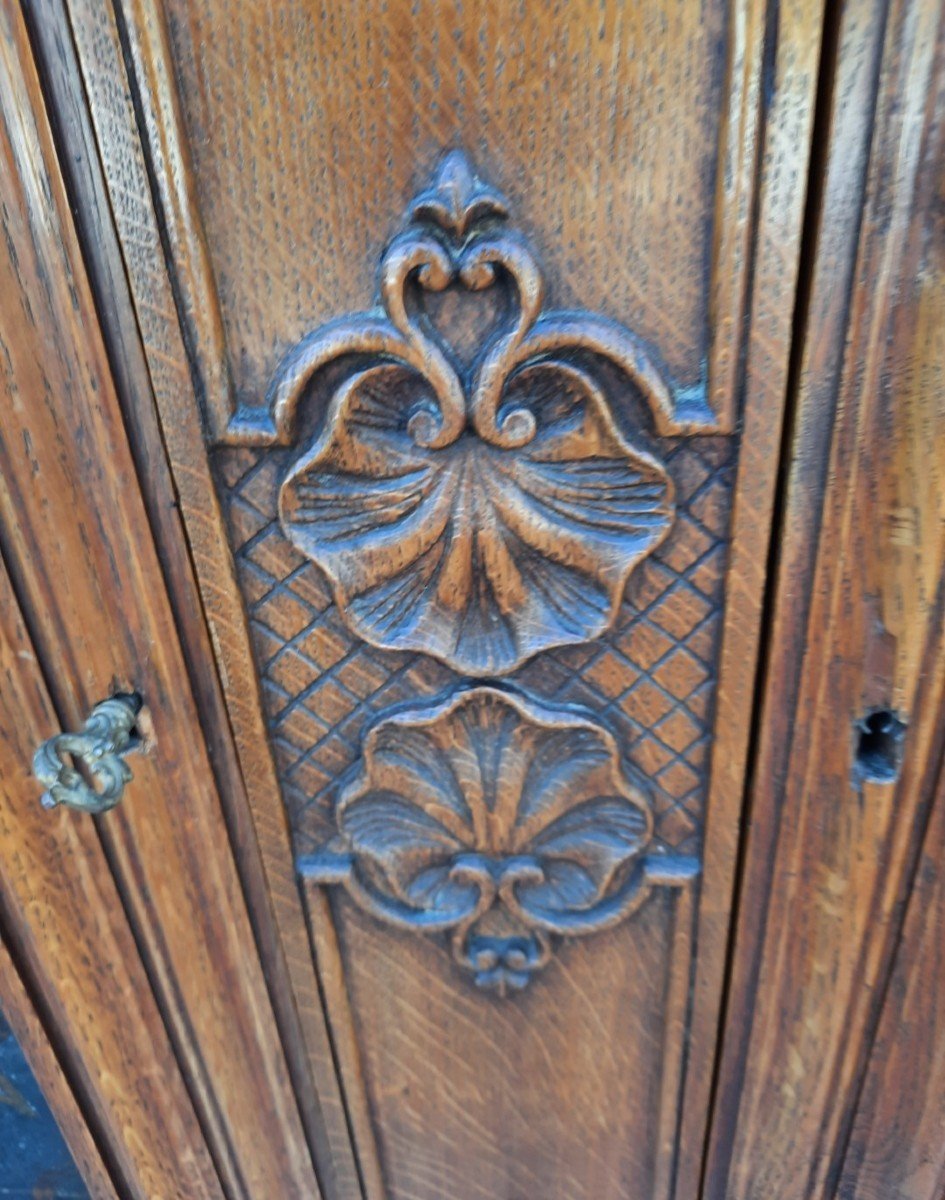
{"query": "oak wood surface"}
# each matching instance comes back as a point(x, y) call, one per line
point(896, 1149)
point(246, 135)
point(89, 194)
point(76, 534)
point(57, 895)
point(101, 59)
point(856, 627)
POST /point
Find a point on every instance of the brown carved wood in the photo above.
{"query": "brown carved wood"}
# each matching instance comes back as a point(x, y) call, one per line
point(652, 669)
point(397, 397)
point(841, 791)
point(78, 546)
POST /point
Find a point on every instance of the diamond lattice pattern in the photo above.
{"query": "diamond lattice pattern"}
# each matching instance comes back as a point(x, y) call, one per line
point(651, 678)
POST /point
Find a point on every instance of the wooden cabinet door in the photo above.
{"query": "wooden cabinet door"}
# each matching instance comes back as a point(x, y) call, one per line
point(830, 1078)
point(132, 934)
point(467, 328)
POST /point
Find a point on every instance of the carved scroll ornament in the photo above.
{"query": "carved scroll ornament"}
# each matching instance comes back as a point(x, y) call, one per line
point(499, 820)
point(480, 509)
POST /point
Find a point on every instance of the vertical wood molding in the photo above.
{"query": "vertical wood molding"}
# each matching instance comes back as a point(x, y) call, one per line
point(101, 615)
point(857, 626)
point(784, 147)
point(132, 207)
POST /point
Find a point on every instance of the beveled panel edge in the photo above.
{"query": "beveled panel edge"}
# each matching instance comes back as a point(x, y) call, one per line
point(709, 407)
point(778, 229)
point(91, 30)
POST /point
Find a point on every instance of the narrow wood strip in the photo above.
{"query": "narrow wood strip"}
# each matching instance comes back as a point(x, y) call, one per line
point(737, 188)
point(327, 955)
point(17, 1008)
point(784, 147)
point(80, 548)
point(674, 1040)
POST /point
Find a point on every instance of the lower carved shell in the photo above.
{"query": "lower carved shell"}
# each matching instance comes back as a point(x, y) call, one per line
point(499, 819)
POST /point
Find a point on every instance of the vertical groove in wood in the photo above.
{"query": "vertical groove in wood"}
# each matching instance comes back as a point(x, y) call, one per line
point(79, 543)
point(736, 196)
point(328, 964)
point(126, 176)
point(857, 625)
point(674, 1042)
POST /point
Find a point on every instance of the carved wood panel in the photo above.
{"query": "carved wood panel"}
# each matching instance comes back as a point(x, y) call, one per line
point(487, 413)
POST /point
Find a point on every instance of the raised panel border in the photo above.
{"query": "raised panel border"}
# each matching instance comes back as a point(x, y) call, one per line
point(774, 52)
point(710, 406)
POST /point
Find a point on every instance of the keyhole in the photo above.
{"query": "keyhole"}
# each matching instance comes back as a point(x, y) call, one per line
point(879, 746)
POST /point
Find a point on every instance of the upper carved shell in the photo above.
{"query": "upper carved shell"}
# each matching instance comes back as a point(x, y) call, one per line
point(480, 512)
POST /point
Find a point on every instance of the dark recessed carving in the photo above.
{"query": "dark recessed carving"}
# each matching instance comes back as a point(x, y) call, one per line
point(500, 820)
point(476, 504)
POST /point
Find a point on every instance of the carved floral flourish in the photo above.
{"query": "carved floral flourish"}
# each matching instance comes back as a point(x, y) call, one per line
point(479, 511)
point(500, 820)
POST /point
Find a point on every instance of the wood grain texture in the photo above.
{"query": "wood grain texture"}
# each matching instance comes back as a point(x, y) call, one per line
point(101, 60)
point(474, 70)
point(505, 822)
point(80, 160)
point(56, 894)
point(19, 1013)
point(856, 627)
point(566, 1092)
point(896, 1149)
point(310, 190)
point(78, 540)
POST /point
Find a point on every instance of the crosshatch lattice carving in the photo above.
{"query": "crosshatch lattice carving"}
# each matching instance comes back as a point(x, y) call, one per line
point(651, 676)
point(453, 496)
point(477, 511)
point(500, 820)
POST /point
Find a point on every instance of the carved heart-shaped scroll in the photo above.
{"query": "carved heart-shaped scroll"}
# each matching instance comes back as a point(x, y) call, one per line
point(478, 513)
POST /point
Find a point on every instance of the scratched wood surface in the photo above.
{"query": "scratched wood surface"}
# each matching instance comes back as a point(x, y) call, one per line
point(78, 544)
point(837, 810)
point(115, 1080)
point(270, 155)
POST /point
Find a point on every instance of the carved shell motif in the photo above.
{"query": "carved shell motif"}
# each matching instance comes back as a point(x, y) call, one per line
point(479, 511)
point(500, 819)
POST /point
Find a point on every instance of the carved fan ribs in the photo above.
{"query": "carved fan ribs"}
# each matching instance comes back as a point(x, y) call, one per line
point(474, 509)
point(500, 820)
point(478, 513)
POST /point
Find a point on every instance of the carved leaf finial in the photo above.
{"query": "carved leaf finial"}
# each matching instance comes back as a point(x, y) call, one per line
point(456, 198)
point(499, 819)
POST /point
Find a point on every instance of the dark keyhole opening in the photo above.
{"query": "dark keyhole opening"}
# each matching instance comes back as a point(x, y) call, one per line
point(879, 746)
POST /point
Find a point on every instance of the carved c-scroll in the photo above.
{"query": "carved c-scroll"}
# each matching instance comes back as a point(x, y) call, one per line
point(500, 820)
point(478, 512)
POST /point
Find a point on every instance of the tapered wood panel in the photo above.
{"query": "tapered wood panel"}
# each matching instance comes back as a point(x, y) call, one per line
point(896, 1149)
point(57, 894)
point(77, 538)
point(851, 720)
point(621, 190)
